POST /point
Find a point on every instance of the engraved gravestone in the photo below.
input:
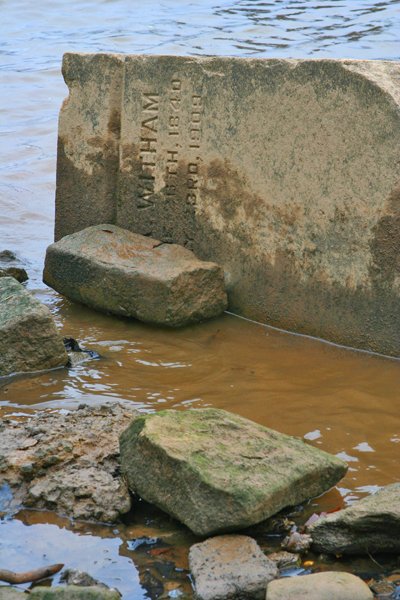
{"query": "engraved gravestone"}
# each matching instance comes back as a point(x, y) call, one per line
point(286, 172)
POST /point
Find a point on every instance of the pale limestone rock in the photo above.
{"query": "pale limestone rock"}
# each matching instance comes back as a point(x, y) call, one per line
point(319, 586)
point(215, 471)
point(283, 171)
point(230, 566)
point(117, 271)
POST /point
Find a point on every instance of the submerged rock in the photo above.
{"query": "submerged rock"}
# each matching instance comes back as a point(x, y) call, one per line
point(67, 462)
point(368, 526)
point(230, 566)
point(29, 340)
point(319, 586)
point(215, 471)
point(73, 592)
point(114, 270)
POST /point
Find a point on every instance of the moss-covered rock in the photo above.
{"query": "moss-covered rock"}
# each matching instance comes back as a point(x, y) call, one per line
point(29, 340)
point(216, 471)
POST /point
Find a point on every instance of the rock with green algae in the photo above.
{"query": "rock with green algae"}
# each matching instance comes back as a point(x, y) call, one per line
point(10, 593)
point(29, 340)
point(74, 592)
point(215, 471)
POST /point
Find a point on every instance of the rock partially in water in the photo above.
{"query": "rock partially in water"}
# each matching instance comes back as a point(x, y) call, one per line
point(29, 340)
point(67, 462)
point(73, 592)
point(76, 354)
point(76, 577)
point(116, 271)
point(215, 471)
point(7, 256)
point(17, 272)
point(368, 526)
point(319, 586)
point(230, 566)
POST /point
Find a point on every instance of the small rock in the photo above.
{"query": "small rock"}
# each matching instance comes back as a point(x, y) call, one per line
point(215, 471)
point(319, 586)
point(124, 273)
point(297, 542)
point(7, 256)
point(284, 559)
point(76, 577)
point(368, 526)
point(230, 566)
point(29, 340)
point(73, 592)
point(17, 272)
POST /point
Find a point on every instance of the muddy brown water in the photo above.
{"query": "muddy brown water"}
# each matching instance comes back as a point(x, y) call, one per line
point(342, 401)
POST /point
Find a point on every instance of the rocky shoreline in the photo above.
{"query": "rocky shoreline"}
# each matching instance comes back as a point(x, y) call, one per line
point(69, 462)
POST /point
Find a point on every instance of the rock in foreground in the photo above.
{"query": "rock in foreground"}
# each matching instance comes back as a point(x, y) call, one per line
point(29, 340)
point(114, 270)
point(215, 471)
point(230, 566)
point(368, 526)
point(73, 592)
point(67, 462)
point(319, 586)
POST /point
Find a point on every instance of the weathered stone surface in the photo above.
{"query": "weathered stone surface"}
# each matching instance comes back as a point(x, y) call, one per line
point(117, 271)
point(230, 566)
point(9, 593)
point(215, 471)
point(29, 340)
point(319, 586)
point(88, 142)
point(67, 462)
point(368, 526)
point(73, 592)
point(283, 171)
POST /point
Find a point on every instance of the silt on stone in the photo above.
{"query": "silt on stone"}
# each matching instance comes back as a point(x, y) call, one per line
point(29, 340)
point(285, 172)
point(330, 585)
point(117, 271)
point(215, 471)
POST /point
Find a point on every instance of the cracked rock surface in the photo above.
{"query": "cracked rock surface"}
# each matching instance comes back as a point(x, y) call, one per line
point(67, 462)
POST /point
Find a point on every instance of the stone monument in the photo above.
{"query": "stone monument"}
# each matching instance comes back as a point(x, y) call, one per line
point(286, 172)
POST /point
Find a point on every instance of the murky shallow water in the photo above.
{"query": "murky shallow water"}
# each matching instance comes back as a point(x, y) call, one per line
point(343, 401)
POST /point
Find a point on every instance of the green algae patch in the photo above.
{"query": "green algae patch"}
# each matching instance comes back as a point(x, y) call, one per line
point(215, 471)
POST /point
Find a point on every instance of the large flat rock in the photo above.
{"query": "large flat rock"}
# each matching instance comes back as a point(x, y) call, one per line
point(215, 471)
point(368, 526)
point(29, 340)
point(230, 566)
point(283, 171)
point(117, 271)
